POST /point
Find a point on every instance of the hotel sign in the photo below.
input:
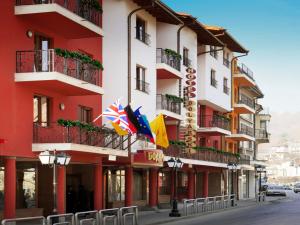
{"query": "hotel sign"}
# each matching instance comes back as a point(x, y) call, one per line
point(149, 157)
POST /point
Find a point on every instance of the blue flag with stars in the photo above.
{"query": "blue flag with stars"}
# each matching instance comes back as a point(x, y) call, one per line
point(144, 125)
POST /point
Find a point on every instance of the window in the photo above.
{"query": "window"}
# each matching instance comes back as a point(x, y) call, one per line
point(164, 185)
point(41, 110)
point(141, 31)
point(202, 142)
point(213, 81)
point(141, 84)
point(225, 86)
point(226, 61)
point(186, 61)
point(215, 144)
point(263, 124)
point(116, 185)
point(213, 51)
point(85, 114)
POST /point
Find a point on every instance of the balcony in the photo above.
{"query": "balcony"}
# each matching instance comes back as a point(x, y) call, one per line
point(244, 105)
point(226, 63)
point(168, 64)
point(47, 70)
point(169, 105)
point(214, 125)
point(68, 18)
point(244, 133)
point(205, 156)
point(243, 76)
point(88, 139)
point(262, 136)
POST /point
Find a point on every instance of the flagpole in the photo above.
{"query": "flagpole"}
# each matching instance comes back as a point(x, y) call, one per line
point(97, 118)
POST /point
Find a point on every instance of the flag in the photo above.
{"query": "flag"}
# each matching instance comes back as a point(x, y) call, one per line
point(158, 127)
point(119, 129)
point(131, 117)
point(117, 115)
point(144, 125)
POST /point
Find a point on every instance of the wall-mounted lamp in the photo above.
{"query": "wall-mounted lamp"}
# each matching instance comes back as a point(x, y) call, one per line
point(29, 33)
point(62, 106)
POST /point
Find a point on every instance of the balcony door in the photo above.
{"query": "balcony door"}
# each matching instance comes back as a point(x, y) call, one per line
point(42, 45)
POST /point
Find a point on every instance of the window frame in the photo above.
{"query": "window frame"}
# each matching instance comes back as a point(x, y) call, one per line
point(39, 110)
point(141, 84)
point(213, 80)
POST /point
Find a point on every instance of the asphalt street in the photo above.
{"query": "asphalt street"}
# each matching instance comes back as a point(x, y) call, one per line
point(278, 212)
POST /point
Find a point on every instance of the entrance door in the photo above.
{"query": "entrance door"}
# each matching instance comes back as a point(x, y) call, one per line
point(42, 55)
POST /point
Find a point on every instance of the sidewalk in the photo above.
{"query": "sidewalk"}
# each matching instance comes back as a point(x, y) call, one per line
point(161, 216)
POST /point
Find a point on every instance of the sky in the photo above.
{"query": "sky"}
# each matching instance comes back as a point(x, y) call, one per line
point(270, 29)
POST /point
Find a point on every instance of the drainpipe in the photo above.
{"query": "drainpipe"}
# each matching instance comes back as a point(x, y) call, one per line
point(216, 50)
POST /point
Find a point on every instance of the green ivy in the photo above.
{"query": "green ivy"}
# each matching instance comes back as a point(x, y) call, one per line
point(77, 55)
point(85, 126)
point(172, 53)
point(174, 98)
point(93, 4)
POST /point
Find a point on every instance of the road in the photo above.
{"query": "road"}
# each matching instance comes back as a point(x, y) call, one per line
point(277, 212)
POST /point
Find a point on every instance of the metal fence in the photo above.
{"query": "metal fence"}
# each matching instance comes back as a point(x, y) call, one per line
point(116, 216)
point(242, 68)
point(85, 11)
point(244, 129)
point(163, 57)
point(243, 99)
point(215, 121)
point(162, 102)
point(48, 61)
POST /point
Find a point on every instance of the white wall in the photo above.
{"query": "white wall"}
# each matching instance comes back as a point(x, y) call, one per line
point(214, 97)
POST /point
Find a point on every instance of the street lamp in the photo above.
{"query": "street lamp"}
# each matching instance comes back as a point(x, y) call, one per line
point(175, 164)
point(233, 167)
point(54, 160)
point(260, 169)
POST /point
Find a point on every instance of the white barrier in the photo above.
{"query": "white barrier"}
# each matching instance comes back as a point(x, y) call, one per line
point(128, 212)
point(106, 215)
point(87, 218)
point(189, 204)
point(40, 220)
point(61, 219)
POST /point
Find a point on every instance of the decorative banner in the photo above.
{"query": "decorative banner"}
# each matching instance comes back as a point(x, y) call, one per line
point(191, 107)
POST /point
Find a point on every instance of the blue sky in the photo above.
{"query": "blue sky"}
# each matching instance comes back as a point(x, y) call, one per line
point(270, 29)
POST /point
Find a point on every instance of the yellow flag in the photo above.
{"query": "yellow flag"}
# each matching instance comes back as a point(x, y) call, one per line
point(159, 129)
point(119, 130)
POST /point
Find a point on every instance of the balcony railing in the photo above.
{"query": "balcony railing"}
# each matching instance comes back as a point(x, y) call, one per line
point(142, 86)
point(245, 160)
point(226, 89)
point(214, 83)
point(205, 155)
point(226, 62)
point(162, 57)
point(244, 129)
point(242, 68)
point(143, 36)
point(215, 121)
point(243, 99)
point(55, 133)
point(83, 10)
point(48, 61)
point(162, 102)
point(261, 134)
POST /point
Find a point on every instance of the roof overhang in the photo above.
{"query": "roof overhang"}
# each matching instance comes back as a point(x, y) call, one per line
point(226, 38)
point(204, 36)
point(160, 11)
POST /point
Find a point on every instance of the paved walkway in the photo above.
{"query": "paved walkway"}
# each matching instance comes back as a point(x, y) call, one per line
point(162, 216)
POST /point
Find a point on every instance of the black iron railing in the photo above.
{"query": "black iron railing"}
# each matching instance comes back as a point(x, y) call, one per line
point(48, 61)
point(162, 102)
point(215, 121)
point(261, 134)
point(143, 36)
point(84, 10)
point(55, 133)
point(214, 83)
point(244, 129)
point(163, 57)
point(226, 89)
point(205, 155)
point(242, 68)
point(142, 86)
point(243, 99)
point(226, 62)
point(245, 160)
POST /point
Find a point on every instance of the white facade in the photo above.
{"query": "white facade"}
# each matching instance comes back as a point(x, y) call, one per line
point(209, 95)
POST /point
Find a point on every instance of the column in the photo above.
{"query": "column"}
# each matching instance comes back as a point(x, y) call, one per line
point(98, 186)
point(205, 184)
point(128, 186)
point(61, 189)
point(153, 187)
point(9, 187)
point(191, 184)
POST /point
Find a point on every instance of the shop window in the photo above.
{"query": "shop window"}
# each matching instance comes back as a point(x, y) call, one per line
point(26, 185)
point(164, 179)
point(116, 185)
point(41, 108)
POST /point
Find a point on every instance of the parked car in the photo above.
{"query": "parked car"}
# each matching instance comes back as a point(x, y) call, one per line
point(276, 190)
point(297, 188)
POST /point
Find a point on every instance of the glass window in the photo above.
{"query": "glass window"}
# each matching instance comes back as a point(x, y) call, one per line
point(164, 179)
point(41, 110)
point(141, 84)
point(213, 51)
point(141, 30)
point(85, 114)
point(186, 60)
point(116, 185)
point(213, 81)
point(225, 86)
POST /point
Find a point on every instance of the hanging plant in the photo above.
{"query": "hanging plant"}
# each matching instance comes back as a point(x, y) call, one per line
point(80, 56)
point(174, 98)
point(92, 4)
point(172, 53)
point(84, 126)
point(178, 143)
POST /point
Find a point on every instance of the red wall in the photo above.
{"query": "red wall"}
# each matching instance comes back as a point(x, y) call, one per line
point(16, 100)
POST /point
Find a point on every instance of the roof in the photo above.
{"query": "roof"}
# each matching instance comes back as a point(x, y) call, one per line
point(204, 36)
point(160, 11)
point(226, 38)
